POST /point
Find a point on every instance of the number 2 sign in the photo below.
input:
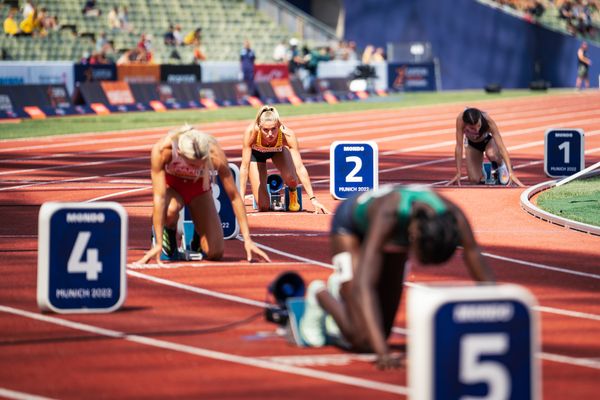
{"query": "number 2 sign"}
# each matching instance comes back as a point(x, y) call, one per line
point(353, 168)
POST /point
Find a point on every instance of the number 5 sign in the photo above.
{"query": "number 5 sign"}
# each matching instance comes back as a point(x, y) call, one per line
point(81, 257)
point(353, 168)
point(473, 342)
point(563, 152)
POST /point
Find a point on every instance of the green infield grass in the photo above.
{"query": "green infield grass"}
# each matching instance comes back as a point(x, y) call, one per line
point(578, 200)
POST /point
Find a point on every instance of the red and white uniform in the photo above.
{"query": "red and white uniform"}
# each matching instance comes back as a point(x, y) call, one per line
point(185, 179)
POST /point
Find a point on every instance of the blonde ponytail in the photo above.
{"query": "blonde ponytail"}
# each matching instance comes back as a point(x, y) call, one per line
point(196, 145)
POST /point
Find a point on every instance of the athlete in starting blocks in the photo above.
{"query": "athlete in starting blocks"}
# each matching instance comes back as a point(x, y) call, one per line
point(268, 138)
point(373, 235)
point(182, 166)
point(481, 135)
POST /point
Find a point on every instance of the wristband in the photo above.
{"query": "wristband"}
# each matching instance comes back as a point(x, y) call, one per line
point(314, 197)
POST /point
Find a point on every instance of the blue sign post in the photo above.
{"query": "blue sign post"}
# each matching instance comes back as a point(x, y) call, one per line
point(82, 255)
point(563, 152)
point(473, 342)
point(354, 168)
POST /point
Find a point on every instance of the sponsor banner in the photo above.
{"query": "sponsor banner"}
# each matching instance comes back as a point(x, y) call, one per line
point(37, 72)
point(282, 88)
point(5, 103)
point(117, 93)
point(138, 73)
point(412, 77)
point(71, 110)
point(15, 97)
point(180, 73)
point(95, 73)
point(219, 71)
point(268, 72)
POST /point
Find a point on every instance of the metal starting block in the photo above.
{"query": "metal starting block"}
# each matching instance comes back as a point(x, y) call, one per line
point(279, 194)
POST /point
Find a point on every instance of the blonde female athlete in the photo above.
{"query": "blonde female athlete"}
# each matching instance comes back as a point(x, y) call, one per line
point(267, 138)
point(482, 136)
point(182, 166)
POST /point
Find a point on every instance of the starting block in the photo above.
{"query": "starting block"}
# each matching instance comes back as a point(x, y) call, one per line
point(295, 308)
point(490, 175)
point(279, 194)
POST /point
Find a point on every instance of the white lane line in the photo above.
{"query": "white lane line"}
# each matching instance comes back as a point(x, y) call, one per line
point(194, 289)
point(542, 266)
point(582, 362)
point(215, 355)
point(203, 264)
point(568, 313)
point(14, 395)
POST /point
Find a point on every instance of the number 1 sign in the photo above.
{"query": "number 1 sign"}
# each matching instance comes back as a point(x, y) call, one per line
point(563, 152)
point(81, 257)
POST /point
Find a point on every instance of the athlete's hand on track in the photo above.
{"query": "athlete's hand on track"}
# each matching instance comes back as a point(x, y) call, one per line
point(456, 180)
point(153, 252)
point(388, 361)
point(319, 208)
point(252, 248)
point(516, 180)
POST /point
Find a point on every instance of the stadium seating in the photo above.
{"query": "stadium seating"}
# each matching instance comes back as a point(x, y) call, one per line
point(225, 24)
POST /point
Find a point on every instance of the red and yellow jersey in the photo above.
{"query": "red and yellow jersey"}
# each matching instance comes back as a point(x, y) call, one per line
point(258, 146)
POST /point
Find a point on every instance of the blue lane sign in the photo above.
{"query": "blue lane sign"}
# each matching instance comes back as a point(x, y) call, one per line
point(473, 342)
point(353, 168)
point(231, 227)
point(563, 152)
point(82, 256)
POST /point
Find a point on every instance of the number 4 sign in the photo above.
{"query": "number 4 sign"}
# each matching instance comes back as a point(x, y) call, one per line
point(81, 257)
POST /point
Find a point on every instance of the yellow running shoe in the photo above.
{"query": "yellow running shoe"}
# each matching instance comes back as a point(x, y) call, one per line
point(294, 206)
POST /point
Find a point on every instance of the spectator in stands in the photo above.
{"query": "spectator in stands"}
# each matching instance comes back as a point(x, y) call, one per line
point(169, 38)
point(48, 22)
point(352, 53)
point(29, 26)
point(368, 54)
point(583, 66)
point(28, 8)
point(90, 9)
point(379, 55)
point(279, 52)
point(535, 9)
point(374, 236)
point(114, 23)
point(247, 58)
point(268, 138)
point(194, 37)
point(312, 65)
point(183, 164)
point(198, 54)
point(294, 58)
point(483, 136)
point(11, 28)
point(145, 47)
point(124, 19)
point(178, 35)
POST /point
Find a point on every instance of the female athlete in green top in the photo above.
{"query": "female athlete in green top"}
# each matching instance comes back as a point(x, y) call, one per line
point(373, 235)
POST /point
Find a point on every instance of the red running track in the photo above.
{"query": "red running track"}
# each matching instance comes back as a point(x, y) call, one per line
point(196, 330)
